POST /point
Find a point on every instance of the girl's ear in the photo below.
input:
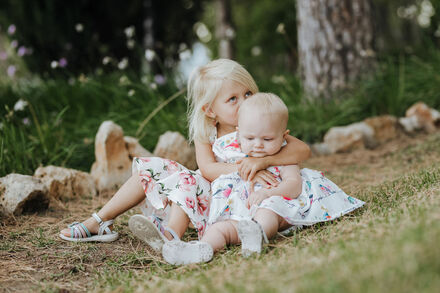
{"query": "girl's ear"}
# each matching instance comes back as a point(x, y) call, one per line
point(286, 133)
point(208, 111)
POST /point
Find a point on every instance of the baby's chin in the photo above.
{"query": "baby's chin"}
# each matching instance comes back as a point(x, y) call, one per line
point(257, 155)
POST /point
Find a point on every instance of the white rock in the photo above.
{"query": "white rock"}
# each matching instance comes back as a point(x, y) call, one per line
point(66, 183)
point(385, 128)
point(22, 193)
point(420, 116)
point(113, 164)
point(350, 137)
point(173, 146)
point(134, 148)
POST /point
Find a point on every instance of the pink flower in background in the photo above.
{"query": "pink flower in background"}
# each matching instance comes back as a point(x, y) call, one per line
point(11, 70)
point(3, 55)
point(21, 51)
point(26, 121)
point(14, 44)
point(62, 62)
point(11, 29)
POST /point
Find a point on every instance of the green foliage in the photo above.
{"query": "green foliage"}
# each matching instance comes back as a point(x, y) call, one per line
point(61, 120)
point(84, 32)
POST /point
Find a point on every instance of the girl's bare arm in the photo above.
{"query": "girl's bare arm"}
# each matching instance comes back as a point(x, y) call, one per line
point(293, 153)
point(210, 168)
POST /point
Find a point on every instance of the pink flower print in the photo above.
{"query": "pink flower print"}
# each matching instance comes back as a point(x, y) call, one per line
point(148, 184)
point(190, 203)
point(186, 181)
point(200, 226)
point(144, 159)
point(277, 171)
point(203, 204)
point(171, 166)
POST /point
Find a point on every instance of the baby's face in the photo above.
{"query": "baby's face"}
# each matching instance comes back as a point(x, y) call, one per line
point(259, 134)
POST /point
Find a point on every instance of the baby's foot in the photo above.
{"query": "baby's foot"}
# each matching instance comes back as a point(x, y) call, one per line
point(251, 236)
point(183, 253)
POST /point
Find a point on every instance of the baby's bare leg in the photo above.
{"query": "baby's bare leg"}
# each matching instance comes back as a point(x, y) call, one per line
point(221, 234)
point(129, 195)
point(270, 221)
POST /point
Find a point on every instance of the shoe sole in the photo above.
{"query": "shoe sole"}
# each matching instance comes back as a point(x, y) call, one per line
point(95, 238)
point(251, 237)
point(147, 231)
point(183, 253)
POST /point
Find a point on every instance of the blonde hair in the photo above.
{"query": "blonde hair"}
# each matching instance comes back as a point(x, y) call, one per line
point(266, 103)
point(203, 86)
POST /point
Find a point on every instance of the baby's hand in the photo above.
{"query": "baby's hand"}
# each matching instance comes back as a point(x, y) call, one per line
point(250, 166)
point(256, 197)
point(265, 178)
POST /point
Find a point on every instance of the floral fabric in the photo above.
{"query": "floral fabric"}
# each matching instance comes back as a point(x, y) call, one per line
point(165, 180)
point(320, 200)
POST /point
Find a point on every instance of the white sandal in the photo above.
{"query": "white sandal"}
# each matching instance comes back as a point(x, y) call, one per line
point(150, 230)
point(183, 253)
point(251, 235)
point(80, 233)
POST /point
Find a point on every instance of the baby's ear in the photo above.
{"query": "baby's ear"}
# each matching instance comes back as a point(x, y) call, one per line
point(286, 133)
point(208, 111)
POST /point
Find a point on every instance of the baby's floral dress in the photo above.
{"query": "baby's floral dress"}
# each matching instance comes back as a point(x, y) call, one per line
point(166, 180)
point(320, 200)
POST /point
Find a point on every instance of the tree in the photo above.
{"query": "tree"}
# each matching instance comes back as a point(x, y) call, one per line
point(334, 43)
point(225, 32)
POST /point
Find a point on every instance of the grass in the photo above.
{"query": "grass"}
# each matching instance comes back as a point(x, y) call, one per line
point(390, 245)
point(63, 116)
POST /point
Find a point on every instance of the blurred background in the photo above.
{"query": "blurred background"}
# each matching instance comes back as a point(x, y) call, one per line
point(67, 66)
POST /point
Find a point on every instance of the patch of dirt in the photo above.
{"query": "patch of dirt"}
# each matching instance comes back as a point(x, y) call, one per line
point(34, 258)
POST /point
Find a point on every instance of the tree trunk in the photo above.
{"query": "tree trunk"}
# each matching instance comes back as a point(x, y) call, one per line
point(334, 43)
point(225, 32)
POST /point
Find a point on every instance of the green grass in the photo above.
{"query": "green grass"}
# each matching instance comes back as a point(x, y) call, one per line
point(64, 116)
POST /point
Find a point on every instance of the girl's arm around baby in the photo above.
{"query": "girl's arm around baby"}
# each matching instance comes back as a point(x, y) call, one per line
point(290, 186)
point(210, 168)
point(294, 152)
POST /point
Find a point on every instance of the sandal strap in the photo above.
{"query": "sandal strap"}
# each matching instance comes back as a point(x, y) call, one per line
point(75, 230)
point(174, 234)
point(97, 218)
point(103, 227)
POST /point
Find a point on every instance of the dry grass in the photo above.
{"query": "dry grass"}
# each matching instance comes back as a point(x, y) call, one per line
point(389, 245)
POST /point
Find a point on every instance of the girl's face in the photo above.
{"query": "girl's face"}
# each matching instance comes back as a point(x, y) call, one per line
point(225, 107)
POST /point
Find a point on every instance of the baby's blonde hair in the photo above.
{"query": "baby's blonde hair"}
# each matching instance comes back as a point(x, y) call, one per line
point(266, 103)
point(203, 86)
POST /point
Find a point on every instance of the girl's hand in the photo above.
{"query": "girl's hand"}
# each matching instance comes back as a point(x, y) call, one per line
point(256, 197)
point(250, 166)
point(265, 178)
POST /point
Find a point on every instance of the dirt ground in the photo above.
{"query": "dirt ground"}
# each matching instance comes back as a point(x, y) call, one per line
point(33, 258)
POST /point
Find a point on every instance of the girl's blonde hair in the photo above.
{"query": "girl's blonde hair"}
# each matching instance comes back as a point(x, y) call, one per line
point(203, 86)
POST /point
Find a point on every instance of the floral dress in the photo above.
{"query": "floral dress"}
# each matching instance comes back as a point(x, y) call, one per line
point(320, 200)
point(164, 181)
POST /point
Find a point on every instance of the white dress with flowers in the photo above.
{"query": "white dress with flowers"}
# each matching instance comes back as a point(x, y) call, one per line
point(320, 200)
point(164, 181)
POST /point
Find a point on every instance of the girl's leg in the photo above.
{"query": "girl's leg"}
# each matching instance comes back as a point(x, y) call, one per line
point(221, 234)
point(178, 221)
point(129, 195)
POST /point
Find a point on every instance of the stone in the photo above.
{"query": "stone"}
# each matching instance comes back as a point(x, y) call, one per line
point(385, 128)
point(22, 194)
point(66, 183)
point(174, 146)
point(420, 117)
point(135, 149)
point(320, 149)
point(347, 138)
point(113, 164)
